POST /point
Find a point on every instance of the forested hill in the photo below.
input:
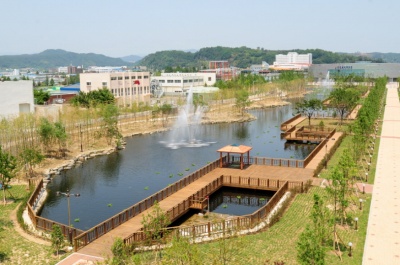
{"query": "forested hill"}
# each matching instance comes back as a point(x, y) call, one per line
point(240, 57)
point(56, 58)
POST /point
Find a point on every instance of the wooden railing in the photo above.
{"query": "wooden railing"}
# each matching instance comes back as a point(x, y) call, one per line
point(265, 161)
point(43, 223)
point(284, 125)
point(288, 132)
point(229, 225)
point(120, 218)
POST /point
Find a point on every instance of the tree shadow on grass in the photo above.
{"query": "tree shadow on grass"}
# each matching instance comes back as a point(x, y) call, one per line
point(3, 257)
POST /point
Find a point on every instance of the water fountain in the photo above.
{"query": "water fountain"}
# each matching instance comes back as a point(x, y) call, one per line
point(183, 133)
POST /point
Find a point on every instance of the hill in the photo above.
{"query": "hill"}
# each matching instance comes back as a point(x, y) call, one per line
point(131, 58)
point(387, 57)
point(56, 58)
point(240, 57)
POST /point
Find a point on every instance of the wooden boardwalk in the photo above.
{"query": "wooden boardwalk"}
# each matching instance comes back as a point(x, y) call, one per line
point(101, 247)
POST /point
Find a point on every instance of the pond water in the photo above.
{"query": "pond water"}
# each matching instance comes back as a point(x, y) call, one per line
point(110, 184)
point(238, 202)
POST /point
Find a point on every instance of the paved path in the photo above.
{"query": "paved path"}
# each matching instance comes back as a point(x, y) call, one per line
point(382, 245)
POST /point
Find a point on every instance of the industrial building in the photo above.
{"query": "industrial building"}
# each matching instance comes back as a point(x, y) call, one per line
point(16, 97)
point(127, 87)
point(179, 83)
point(364, 69)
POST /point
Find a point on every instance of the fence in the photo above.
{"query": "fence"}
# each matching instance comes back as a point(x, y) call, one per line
point(95, 232)
point(277, 162)
point(226, 227)
point(43, 223)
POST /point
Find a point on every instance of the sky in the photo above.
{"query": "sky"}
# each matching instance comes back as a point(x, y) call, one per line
point(119, 28)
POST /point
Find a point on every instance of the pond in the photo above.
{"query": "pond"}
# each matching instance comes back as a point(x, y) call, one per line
point(110, 184)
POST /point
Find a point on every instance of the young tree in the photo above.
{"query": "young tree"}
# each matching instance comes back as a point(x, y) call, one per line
point(60, 135)
point(154, 224)
point(182, 252)
point(343, 100)
point(7, 171)
point(57, 239)
point(46, 133)
point(308, 108)
point(110, 113)
point(309, 249)
point(242, 100)
point(31, 157)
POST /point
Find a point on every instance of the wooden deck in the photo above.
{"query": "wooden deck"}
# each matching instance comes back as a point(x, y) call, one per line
point(101, 247)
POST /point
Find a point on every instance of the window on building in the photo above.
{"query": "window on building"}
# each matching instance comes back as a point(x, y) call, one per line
point(209, 79)
point(190, 80)
point(133, 77)
point(185, 81)
point(161, 81)
point(119, 77)
point(104, 84)
point(170, 81)
point(88, 83)
point(126, 77)
point(139, 77)
point(177, 81)
point(146, 77)
point(114, 78)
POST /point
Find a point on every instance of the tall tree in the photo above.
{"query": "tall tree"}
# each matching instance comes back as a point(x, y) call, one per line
point(308, 108)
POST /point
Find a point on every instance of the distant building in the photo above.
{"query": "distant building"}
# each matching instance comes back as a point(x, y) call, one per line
point(16, 97)
point(218, 64)
point(127, 87)
point(63, 69)
point(74, 70)
point(292, 61)
point(257, 68)
point(178, 83)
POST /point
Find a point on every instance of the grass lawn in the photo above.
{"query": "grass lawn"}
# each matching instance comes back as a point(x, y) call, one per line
point(15, 249)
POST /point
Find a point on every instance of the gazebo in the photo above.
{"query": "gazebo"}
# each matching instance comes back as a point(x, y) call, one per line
point(235, 149)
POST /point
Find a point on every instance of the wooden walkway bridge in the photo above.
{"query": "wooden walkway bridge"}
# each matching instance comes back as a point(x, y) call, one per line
point(177, 203)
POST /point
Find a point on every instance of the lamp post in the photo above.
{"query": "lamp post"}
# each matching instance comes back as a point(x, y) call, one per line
point(366, 176)
point(80, 133)
point(350, 245)
point(361, 201)
point(356, 223)
point(68, 195)
point(363, 188)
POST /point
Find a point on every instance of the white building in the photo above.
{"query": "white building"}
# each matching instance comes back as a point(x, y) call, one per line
point(127, 87)
point(178, 83)
point(63, 69)
point(293, 60)
point(16, 97)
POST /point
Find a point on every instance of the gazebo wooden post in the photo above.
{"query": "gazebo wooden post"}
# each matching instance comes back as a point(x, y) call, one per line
point(220, 159)
point(248, 157)
point(241, 161)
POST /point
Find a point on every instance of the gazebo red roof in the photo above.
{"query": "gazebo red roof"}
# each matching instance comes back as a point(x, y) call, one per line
point(237, 149)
